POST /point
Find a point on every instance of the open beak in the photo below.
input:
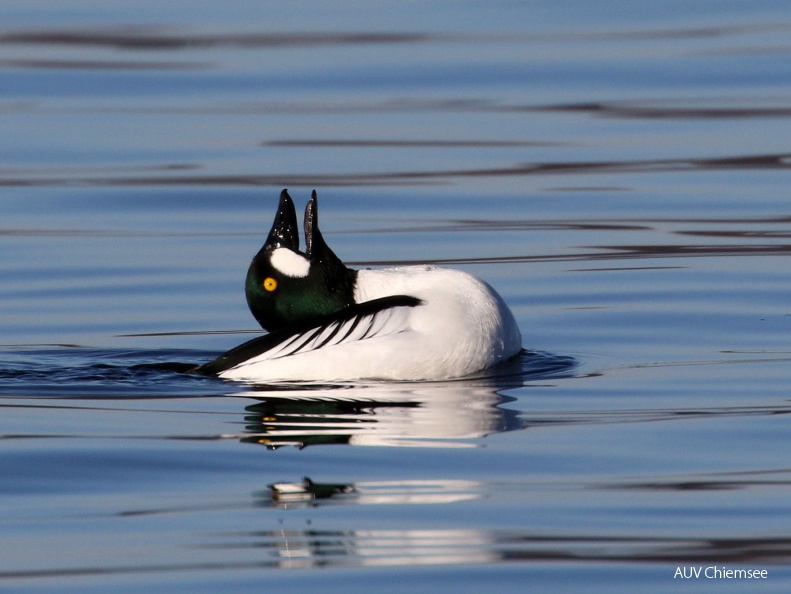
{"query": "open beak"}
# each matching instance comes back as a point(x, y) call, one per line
point(285, 231)
point(312, 233)
point(316, 249)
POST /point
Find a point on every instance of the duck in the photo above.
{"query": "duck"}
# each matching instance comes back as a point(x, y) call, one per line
point(327, 322)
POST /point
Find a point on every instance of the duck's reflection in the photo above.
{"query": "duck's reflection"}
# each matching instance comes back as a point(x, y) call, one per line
point(439, 414)
point(380, 416)
point(297, 549)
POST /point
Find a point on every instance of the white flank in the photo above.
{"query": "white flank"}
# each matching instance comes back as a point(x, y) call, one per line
point(290, 263)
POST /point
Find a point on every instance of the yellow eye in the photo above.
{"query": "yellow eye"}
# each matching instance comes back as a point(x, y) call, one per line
point(270, 284)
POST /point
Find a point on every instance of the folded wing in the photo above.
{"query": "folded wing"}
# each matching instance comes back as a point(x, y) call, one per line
point(372, 319)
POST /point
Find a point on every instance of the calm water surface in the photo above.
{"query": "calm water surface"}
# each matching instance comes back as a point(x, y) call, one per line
point(620, 174)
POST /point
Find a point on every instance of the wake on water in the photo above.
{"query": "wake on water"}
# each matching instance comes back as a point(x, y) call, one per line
point(69, 372)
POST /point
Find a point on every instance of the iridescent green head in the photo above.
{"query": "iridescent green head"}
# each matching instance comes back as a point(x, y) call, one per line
point(285, 286)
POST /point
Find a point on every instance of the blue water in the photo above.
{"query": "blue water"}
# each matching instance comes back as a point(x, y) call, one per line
point(618, 171)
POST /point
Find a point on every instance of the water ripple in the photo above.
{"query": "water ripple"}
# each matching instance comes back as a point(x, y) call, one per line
point(773, 161)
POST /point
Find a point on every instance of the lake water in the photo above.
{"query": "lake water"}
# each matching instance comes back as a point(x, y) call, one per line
point(620, 172)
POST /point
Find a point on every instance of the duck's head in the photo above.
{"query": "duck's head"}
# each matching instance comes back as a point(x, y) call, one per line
point(286, 286)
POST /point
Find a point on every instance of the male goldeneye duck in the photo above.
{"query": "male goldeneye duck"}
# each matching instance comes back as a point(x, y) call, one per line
point(327, 322)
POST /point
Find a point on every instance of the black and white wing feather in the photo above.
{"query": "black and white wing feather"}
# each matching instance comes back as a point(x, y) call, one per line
point(372, 319)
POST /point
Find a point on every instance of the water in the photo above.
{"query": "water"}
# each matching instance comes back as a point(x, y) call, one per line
point(618, 172)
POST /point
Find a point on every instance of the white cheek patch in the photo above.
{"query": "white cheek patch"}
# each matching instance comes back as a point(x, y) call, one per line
point(289, 263)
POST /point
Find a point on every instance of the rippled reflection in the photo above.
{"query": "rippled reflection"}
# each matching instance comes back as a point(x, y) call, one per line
point(434, 414)
point(302, 548)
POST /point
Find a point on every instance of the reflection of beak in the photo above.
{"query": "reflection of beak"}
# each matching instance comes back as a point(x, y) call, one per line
point(285, 231)
point(307, 490)
point(402, 492)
